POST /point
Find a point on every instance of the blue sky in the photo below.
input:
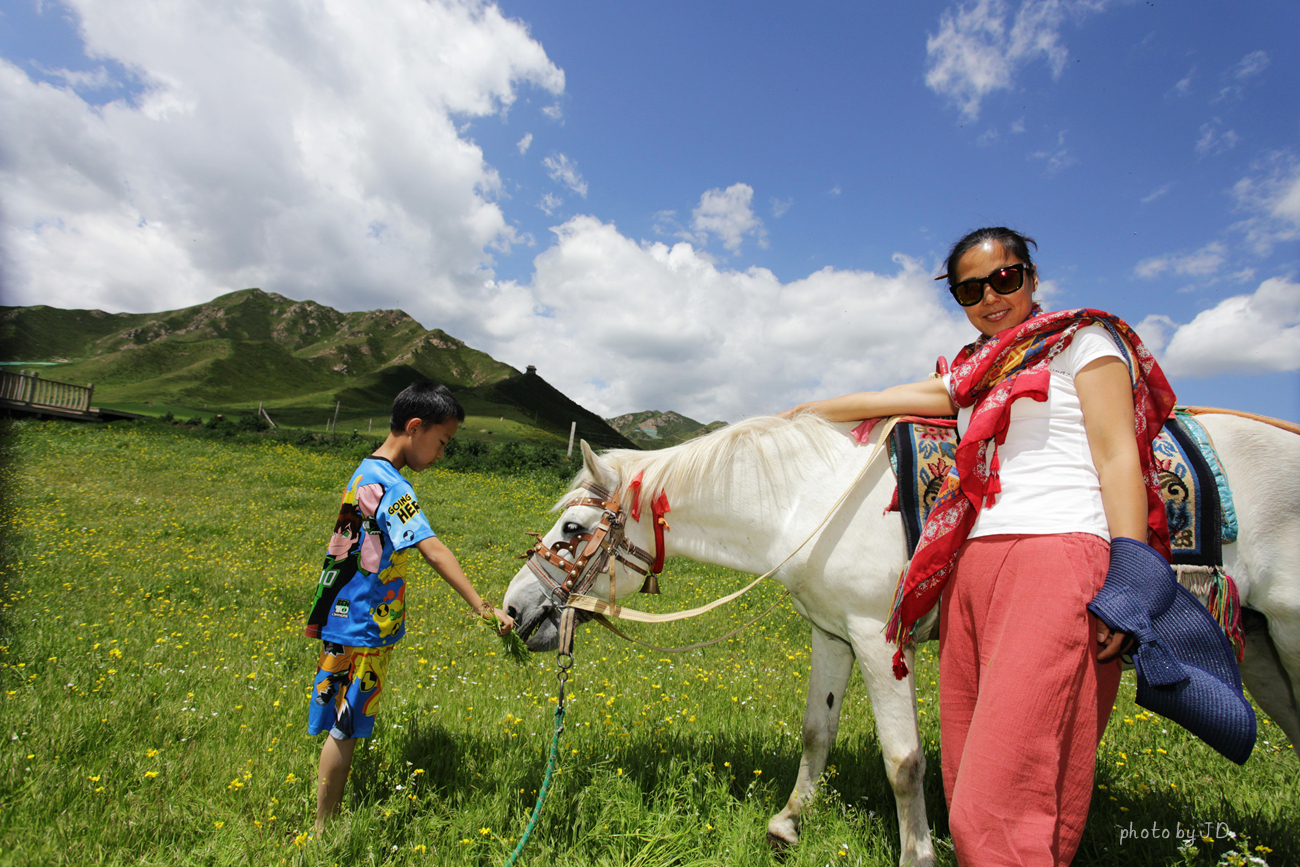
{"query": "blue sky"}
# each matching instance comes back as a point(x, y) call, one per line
point(720, 208)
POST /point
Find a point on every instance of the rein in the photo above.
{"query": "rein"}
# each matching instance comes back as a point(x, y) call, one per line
point(607, 541)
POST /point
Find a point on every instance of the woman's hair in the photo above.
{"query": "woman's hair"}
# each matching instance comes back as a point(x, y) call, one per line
point(430, 402)
point(1013, 242)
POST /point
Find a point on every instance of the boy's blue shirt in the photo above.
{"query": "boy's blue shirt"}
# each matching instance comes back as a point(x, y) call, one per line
point(361, 598)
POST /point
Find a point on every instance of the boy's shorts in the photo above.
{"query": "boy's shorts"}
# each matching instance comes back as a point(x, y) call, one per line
point(349, 681)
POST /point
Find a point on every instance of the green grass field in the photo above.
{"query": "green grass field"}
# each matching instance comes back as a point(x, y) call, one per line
point(491, 428)
point(155, 685)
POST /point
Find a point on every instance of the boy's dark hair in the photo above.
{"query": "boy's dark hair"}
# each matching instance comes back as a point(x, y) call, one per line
point(430, 402)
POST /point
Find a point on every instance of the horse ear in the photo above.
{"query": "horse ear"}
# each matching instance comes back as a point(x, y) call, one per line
point(600, 471)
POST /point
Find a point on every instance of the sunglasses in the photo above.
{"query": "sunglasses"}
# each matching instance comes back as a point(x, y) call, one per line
point(1004, 281)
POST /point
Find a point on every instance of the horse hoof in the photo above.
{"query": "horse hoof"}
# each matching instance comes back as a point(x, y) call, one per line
point(779, 845)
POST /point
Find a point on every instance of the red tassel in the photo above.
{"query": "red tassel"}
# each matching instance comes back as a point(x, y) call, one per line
point(635, 487)
point(659, 507)
point(900, 667)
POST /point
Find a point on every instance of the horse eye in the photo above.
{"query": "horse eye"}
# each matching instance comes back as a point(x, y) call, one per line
point(570, 528)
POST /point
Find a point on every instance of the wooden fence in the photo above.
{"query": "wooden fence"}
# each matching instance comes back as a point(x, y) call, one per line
point(29, 390)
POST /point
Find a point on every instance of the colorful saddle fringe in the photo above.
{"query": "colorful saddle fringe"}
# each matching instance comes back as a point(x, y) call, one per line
point(1198, 504)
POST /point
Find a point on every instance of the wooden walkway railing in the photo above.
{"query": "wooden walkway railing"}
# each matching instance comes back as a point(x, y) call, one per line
point(29, 390)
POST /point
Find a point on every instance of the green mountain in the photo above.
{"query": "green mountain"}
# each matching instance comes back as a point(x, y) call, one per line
point(299, 359)
point(652, 429)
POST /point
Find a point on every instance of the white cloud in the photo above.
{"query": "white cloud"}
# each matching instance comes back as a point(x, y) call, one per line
point(1204, 262)
point(980, 46)
point(1244, 334)
point(550, 203)
point(1183, 86)
point(1249, 67)
point(728, 215)
point(1271, 198)
point(95, 79)
point(665, 223)
point(305, 147)
point(1155, 194)
point(645, 325)
point(1212, 142)
point(563, 170)
point(525, 143)
point(781, 206)
point(1054, 161)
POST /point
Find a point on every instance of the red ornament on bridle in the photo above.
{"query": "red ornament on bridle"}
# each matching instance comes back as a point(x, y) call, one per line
point(589, 554)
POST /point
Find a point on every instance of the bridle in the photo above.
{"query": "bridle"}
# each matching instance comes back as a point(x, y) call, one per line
point(584, 557)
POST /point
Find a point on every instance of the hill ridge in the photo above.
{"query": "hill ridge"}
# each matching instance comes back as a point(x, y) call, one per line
point(654, 429)
point(252, 347)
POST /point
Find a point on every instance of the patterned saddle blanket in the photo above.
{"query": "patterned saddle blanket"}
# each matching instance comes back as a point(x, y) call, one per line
point(1198, 502)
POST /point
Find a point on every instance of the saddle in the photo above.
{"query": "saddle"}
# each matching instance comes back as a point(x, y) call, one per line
point(1198, 502)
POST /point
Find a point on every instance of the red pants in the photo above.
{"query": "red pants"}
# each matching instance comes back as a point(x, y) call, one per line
point(1023, 701)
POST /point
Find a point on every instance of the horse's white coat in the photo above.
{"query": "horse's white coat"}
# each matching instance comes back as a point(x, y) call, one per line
point(1262, 464)
point(746, 496)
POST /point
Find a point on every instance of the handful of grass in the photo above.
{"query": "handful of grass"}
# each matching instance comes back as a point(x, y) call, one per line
point(515, 648)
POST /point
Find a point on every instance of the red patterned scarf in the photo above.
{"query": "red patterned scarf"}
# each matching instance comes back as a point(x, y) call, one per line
point(990, 375)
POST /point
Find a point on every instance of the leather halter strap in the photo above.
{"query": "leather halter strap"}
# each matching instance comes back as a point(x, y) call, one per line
point(589, 553)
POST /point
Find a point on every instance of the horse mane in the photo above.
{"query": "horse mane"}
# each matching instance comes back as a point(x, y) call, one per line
point(783, 445)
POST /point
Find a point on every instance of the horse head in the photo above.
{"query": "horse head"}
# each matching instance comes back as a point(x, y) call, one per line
point(586, 551)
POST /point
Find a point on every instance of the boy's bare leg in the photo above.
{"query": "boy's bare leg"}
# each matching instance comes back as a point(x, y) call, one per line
point(332, 777)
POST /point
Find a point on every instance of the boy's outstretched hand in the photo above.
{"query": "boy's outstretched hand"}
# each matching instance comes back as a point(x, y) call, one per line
point(504, 622)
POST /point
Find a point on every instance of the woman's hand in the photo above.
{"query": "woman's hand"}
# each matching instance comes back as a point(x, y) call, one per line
point(1112, 644)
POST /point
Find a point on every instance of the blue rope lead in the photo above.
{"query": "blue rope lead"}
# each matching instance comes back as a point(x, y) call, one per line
point(545, 787)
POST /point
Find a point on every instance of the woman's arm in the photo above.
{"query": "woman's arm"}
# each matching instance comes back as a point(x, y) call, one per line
point(927, 397)
point(1106, 396)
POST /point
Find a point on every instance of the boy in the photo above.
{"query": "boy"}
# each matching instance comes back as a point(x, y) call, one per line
point(360, 608)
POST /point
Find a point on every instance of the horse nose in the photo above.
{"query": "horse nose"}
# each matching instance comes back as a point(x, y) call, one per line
point(513, 612)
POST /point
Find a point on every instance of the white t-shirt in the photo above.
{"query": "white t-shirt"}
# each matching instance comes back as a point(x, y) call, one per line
point(1049, 482)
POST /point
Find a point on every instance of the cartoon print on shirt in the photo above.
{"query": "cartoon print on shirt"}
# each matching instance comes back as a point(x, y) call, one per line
point(360, 600)
point(389, 614)
point(372, 546)
point(396, 567)
point(348, 528)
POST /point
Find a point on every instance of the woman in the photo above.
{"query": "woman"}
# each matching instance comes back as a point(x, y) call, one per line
point(1048, 471)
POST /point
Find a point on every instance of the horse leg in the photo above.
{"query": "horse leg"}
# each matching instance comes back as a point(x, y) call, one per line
point(893, 702)
point(832, 663)
point(1265, 675)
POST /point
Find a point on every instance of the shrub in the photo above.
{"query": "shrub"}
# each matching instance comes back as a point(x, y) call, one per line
point(252, 423)
point(511, 458)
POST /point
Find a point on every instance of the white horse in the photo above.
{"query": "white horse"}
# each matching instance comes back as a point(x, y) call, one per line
point(748, 495)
